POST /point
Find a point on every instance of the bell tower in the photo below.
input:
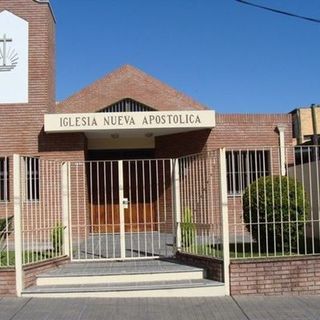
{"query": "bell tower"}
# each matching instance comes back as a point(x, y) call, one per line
point(27, 73)
point(27, 54)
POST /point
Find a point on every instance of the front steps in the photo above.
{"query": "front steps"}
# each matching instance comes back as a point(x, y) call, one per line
point(142, 278)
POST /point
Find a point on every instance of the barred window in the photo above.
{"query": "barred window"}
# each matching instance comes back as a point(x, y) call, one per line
point(32, 181)
point(4, 179)
point(244, 167)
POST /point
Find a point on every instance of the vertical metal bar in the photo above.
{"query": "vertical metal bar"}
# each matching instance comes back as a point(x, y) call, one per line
point(144, 207)
point(130, 206)
point(273, 202)
point(99, 211)
point(176, 200)
point(317, 192)
point(86, 197)
point(41, 203)
point(77, 190)
point(241, 188)
point(36, 205)
point(137, 205)
point(151, 204)
point(121, 209)
point(158, 205)
point(6, 196)
point(55, 211)
point(105, 209)
point(112, 208)
point(48, 210)
point(91, 212)
point(234, 191)
point(17, 222)
point(225, 219)
point(65, 169)
point(311, 195)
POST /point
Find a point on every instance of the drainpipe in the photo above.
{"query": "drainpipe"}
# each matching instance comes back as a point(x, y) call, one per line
point(314, 124)
point(298, 127)
point(281, 130)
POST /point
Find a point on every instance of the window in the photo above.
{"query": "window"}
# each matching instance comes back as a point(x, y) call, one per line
point(4, 179)
point(32, 181)
point(244, 167)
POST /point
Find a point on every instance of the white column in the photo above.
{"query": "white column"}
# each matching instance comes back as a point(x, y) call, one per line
point(17, 222)
point(121, 209)
point(282, 146)
point(225, 219)
point(175, 182)
point(65, 171)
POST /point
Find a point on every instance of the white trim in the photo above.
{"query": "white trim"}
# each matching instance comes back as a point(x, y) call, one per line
point(282, 146)
point(65, 206)
point(176, 201)
point(121, 211)
point(17, 222)
point(225, 219)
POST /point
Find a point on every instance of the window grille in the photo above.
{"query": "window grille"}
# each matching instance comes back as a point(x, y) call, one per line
point(32, 181)
point(244, 167)
point(4, 179)
point(127, 105)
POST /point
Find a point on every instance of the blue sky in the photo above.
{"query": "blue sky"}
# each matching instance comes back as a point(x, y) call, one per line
point(228, 56)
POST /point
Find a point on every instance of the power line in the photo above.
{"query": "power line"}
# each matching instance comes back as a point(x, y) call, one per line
point(278, 11)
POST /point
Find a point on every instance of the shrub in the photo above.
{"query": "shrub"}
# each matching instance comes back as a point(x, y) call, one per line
point(188, 229)
point(276, 199)
point(57, 238)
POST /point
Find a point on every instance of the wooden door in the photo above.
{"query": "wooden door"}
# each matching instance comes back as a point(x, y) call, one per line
point(103, 186)
point(139, 188)
point(139, 181)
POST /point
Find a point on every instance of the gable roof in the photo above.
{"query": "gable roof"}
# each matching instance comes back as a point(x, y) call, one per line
point(127, 82)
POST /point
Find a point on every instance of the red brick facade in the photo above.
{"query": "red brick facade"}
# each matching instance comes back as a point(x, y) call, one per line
point(22, 132)
point(8, 275)
point(7, 282)
point(276, 276)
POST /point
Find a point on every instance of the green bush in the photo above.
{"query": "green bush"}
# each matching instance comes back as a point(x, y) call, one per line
point(188, 229)
point(57, 238)
point(3, 223)
point(277, 199)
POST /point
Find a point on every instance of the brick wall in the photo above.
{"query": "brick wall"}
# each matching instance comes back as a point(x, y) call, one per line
point(31, 272)
point(278, 276)
point(7, 282)
point(213, 267)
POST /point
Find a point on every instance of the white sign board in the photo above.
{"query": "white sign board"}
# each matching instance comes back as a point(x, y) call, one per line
point(117, 121)
point(14, 58)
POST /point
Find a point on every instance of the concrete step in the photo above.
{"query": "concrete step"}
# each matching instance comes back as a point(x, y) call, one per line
point(119, 272)
point(173, 288)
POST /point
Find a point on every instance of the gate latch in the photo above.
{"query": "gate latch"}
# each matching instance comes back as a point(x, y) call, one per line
point(125, 203)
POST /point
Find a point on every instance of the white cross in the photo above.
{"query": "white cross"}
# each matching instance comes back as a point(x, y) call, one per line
point(4, 52)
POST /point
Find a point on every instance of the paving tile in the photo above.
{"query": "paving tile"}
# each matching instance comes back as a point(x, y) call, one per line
point(278, 308)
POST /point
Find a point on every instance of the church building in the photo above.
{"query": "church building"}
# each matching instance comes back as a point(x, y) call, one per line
point(121, 169)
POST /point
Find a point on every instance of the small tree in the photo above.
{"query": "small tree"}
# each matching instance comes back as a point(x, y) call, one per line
point(57, 239)
point(188, 228)
point(276, 208)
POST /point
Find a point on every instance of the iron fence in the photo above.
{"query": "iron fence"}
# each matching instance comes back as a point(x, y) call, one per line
point(6, 215)
point(273, 202)
point(201, 220)
point(42, 227)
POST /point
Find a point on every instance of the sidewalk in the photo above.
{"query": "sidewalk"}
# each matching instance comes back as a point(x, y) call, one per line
point(226, 308)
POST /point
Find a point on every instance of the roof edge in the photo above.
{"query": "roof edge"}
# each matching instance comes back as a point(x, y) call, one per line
point(50, 7)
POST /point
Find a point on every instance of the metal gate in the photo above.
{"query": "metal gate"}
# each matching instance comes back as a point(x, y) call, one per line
point(121, 209)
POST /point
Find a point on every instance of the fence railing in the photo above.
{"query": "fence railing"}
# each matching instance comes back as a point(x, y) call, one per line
point(6, 215)
point(42, 228)
point(273, 202)
point(120, 209)
point(201, 221)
